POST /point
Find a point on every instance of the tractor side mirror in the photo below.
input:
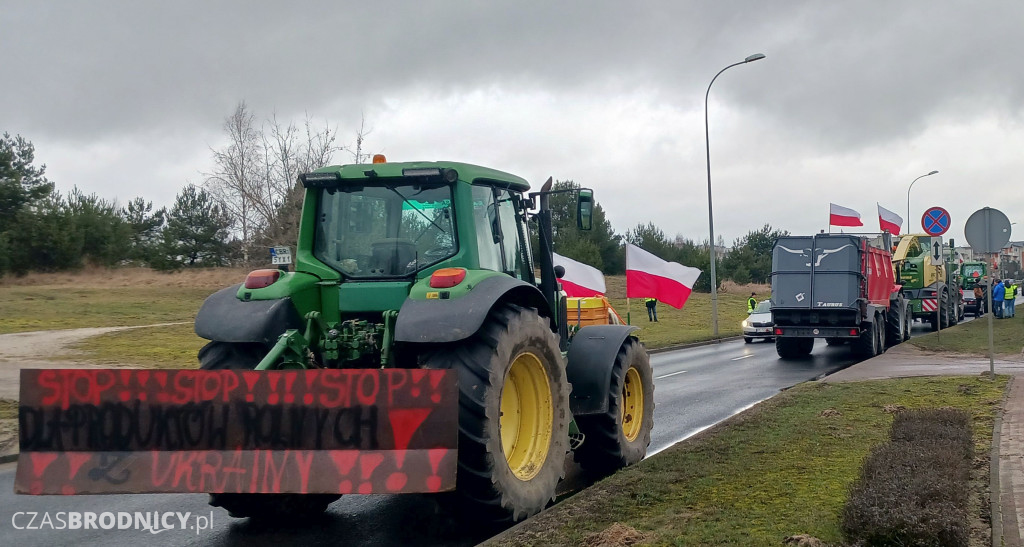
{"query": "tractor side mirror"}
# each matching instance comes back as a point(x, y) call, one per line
point(585, 209)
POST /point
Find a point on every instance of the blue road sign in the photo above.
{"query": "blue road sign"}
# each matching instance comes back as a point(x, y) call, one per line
point(936, 221)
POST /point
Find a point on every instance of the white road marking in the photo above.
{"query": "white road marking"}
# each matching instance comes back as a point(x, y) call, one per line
point(744, 357)
point(667, 375)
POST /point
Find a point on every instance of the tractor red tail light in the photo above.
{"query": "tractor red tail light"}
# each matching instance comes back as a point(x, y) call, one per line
point(257, 279)
point(778, 331)
point(446, 278)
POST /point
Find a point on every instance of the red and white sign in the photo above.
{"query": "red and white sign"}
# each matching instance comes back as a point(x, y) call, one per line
point(648, 276)
point(841, 216)
point(929, 305)
point(889, 221)
point(580, 280)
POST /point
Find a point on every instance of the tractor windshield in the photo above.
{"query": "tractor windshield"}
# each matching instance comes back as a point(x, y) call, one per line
point(385, 230)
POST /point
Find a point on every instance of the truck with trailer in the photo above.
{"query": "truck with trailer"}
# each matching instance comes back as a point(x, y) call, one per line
point(838, 287)
point(933, 291)
point(412, 349)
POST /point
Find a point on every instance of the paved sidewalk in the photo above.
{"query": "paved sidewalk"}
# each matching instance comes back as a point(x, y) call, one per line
point(1007, 461)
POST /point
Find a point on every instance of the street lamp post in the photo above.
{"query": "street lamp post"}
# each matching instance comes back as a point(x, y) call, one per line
point(711, 215)
point(908, 196)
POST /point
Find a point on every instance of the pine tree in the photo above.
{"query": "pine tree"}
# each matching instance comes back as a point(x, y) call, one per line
point(197, 232)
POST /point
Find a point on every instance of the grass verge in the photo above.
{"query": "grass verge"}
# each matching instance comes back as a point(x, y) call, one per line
point(780, 469)
point(8, 426)
point(8, 409)
point(972, 337)
point(48, 308)
point(171, 346)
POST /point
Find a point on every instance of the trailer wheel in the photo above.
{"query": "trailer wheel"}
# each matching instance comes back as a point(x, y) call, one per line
point(895, 324)
point(224, 356)
point(908, 318)
point(792, 348)
point(619, 437)
point(867, 344)
point(882, 335)
point(513, 415)
point(805, 346)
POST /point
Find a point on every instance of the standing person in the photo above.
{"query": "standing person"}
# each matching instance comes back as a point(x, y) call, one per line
point(998, 293)
point(751, 302)
point(979, 299)
point(1009, 297)
point(652, 309)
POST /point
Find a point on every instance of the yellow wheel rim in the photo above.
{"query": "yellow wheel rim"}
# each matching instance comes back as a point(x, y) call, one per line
point(527, 416)
point(632, 405)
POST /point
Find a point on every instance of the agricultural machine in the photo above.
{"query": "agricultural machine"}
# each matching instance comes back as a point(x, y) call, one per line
point(933, 291)
point(412, 349)
point(840, 287)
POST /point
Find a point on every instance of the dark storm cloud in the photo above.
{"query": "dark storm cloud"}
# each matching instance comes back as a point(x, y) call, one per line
point(845, 73)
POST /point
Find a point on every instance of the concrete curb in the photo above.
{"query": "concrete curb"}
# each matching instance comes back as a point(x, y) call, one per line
point(8, 458)
point(995, 508)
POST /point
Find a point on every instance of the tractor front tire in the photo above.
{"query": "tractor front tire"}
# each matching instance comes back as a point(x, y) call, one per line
point(225, 356)
point(513, 415)
point(619, 436)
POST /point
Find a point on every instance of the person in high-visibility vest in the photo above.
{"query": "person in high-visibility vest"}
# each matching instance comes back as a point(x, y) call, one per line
point(751, 302)
point(652, 309)
point(1008, 297)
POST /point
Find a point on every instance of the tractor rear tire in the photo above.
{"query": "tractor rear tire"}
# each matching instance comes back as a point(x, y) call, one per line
point(895, 322)
point(225, 356)
point(513, 415)
point(619, 436)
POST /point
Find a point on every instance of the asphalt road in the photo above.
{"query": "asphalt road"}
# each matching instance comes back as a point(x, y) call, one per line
point(695, 388)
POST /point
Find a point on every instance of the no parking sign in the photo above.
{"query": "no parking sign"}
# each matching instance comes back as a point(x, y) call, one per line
point(936, 221)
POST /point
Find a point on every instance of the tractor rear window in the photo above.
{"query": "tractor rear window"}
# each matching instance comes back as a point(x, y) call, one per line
point(387, 230)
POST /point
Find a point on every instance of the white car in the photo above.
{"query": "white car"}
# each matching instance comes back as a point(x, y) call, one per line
point(759, 323)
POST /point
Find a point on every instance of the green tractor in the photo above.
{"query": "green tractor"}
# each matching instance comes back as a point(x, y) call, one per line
point(406, 275)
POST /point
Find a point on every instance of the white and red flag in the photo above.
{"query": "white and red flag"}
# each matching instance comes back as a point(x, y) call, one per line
point(580, 280)
point(648, 276)
point(889, 220)
point(841, 216)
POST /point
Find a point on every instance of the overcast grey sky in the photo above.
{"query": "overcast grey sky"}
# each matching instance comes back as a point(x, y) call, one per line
point(854, 99)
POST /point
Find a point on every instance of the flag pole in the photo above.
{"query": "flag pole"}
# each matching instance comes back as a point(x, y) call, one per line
point(830, 218)
point(629, 320)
